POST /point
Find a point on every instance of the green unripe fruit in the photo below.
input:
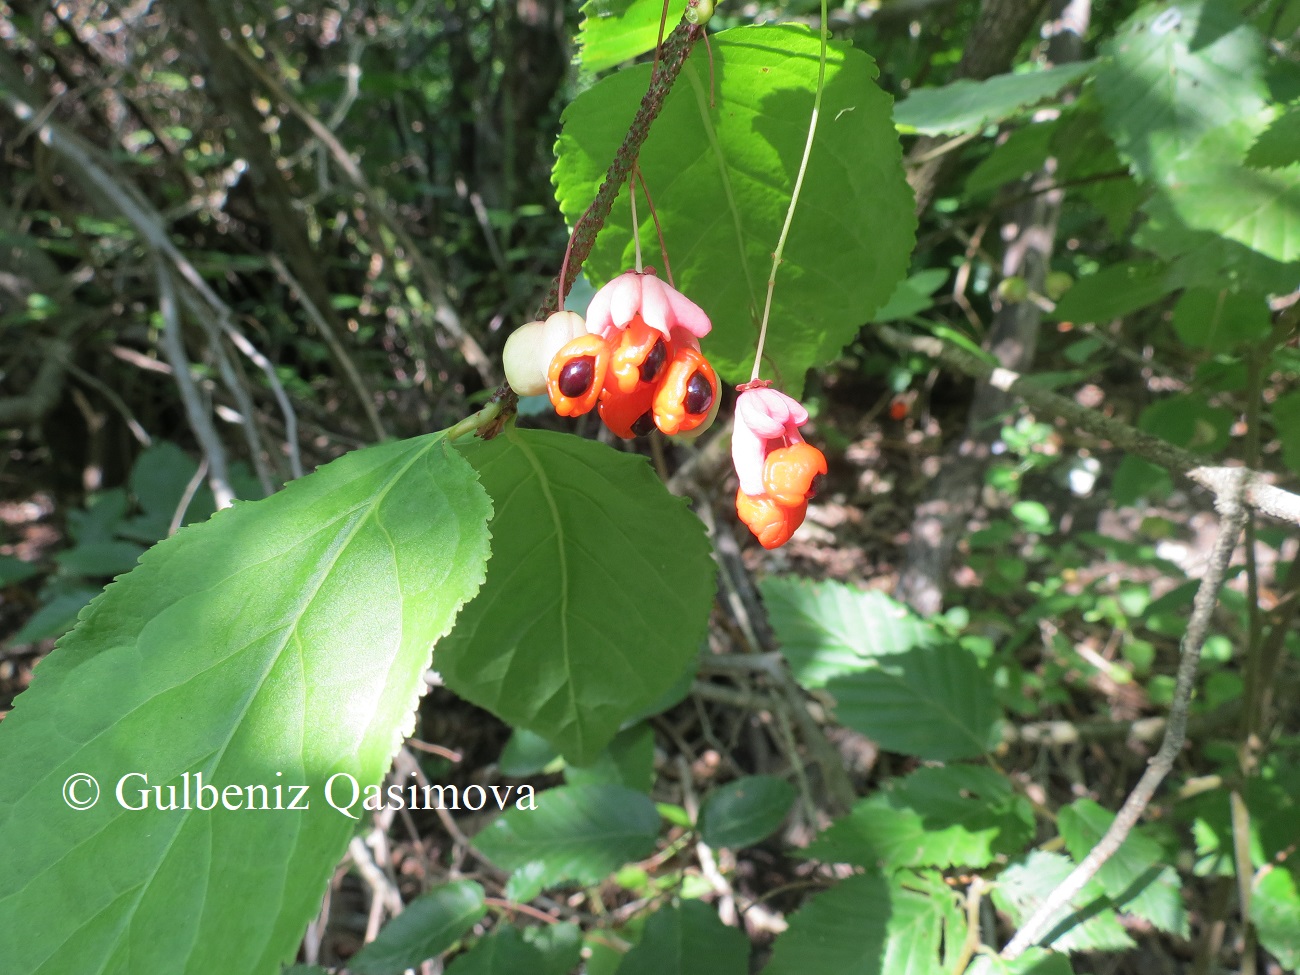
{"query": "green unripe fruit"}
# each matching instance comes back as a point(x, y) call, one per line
point(1057, 284)
point(522, 359)
point(1013, 289)
point(698, 12)
point(531, 347)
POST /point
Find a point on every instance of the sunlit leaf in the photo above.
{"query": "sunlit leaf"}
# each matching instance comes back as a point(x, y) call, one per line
point(277, 645)
point(968, 106)
point(721, 176)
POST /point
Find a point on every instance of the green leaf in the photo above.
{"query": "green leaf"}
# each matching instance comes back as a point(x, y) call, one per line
point(100, 559)
point(840, 931)
point(913, 295)
point(628, 760)
point(1275, 909)
point(614, 31)
point(687, 940)
point(956, 816)
point(1023, 152)
point(1278, 145)
point(923, 917)
point(933, 702)
point(1219, 320)
point(598, 594)
point(1085, 924)
point(14, 570)
point(1177, 73)
point(745, 811)
point(56, 616)
point(526, 754)
point(1286, 421)
point(1188, 420)
point(1114, 292)
point(827, 629)
point(279, 644)
point(1035, 961)
point(722, 176)
point(503, 952)
point(865, 926)
point(1135, 878)
point(577, 833)
point(1185, 97)
point(560, 945)
point(968, 106)
point(428, 926)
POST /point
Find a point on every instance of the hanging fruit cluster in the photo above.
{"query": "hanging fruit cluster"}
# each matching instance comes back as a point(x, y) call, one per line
point(636, 359)
point(779, 471)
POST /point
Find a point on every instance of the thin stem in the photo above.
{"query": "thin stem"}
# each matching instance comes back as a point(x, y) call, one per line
point(675, 49)
point(794, 200)
point(475, 421)
point(636, 224)
point(659, 230)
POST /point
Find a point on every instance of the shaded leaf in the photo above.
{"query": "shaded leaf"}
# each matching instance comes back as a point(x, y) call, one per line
point(745, 811)
point(687, 940)
point(560, 946)
point(1135, 878)
point(1278, 145)
point(597, 598)
point(827, 629)
point(1035, 961)
point(841, 931)
point(427, 927)
point(1185, 97)
point(1114, 292)
point(628, 760)
point(503, 952)
point(933, 702)
point(577, 833)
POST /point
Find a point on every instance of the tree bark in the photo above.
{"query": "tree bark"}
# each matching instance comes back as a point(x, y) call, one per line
point(1030, 230)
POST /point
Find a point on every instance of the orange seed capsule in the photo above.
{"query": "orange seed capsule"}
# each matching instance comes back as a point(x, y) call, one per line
point(771, 523)
point(686, 392)
point(640, 356)
point(789, 472)
point(577, 375)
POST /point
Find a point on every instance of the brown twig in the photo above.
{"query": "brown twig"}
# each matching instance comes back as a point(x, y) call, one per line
point(673, 55)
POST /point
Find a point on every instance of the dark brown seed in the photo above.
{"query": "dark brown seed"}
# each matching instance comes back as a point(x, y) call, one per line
point(653, 362)
point(699, 395)
point(644, 424)
point(815, 487)
point(576, 376)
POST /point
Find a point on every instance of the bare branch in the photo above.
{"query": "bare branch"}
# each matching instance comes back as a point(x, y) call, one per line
point(200, 420)
point(1257, 492)
point(1232, 511)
